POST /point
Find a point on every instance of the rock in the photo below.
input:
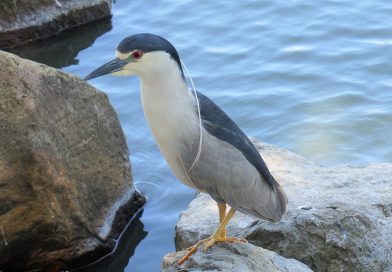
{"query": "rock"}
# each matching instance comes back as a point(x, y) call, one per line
point(24, 21)
point(233, 257)
point(62, 49)
point(64, 169)
point(339, 217)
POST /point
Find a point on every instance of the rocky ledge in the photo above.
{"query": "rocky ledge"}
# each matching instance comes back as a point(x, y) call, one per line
point(66, 189)
point(339, 219)
point(234, 257)
point(24, 21)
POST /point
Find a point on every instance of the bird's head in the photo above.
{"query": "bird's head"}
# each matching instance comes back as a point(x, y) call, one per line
point(141, 54)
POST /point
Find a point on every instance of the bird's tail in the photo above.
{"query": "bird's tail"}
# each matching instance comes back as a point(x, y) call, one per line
point(273, 204)
point(278, 202)
point(282, 198)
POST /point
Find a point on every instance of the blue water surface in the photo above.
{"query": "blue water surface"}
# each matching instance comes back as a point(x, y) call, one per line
point(313, 77)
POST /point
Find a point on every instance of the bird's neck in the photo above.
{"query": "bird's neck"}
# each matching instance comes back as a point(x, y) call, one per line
point(167, 103)
point(164, 83)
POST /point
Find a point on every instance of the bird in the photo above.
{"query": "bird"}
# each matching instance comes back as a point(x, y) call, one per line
point(203, 146)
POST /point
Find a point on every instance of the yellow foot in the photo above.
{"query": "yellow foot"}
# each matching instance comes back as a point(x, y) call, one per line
point(209, 242)
point(213, 241)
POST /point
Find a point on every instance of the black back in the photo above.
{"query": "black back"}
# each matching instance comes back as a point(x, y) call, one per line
point(217, 123)
point(147, 42)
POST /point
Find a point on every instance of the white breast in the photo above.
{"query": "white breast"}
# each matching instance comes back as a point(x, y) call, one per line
point(169, 110)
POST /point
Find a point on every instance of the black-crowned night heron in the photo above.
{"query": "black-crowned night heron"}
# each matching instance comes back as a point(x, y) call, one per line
point(205, 149)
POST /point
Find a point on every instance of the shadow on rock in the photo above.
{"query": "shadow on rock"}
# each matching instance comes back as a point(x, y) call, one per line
point(61, 50)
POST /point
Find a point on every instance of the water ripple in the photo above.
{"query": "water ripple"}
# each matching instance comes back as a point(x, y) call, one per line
point(308, 76)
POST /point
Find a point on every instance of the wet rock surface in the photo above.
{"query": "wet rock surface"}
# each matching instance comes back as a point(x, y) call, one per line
point(24, 21)
point(66, 188)
point(339, 217)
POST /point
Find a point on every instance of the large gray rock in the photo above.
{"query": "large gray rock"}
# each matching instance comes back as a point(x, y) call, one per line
point(339, 217)
point(23, 21)
point(64, 168)
point(234, 257)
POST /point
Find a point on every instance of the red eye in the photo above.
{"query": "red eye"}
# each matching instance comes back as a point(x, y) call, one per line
point(137, 54)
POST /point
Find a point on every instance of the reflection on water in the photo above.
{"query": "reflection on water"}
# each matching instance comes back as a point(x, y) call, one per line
point(117, 262)
point(61, 50)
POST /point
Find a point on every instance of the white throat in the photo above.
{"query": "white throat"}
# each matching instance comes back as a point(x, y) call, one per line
point(166, 100)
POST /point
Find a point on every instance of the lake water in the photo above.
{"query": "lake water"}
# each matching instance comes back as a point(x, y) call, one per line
point(313, 77)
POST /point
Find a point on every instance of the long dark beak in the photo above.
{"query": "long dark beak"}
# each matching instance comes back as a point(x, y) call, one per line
point(114, 65)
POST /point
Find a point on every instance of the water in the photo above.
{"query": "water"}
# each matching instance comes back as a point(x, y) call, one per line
point(313, 77)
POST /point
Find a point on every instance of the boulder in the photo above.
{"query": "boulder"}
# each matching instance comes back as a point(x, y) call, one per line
point(339, 217)
point(233, 257)
point(66, 189)
point(24, 21)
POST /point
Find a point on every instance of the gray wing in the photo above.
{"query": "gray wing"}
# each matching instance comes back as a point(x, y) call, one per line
point(219, 124)
point(253, 189)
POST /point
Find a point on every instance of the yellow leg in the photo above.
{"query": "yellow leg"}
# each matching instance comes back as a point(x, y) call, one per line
point(215, 237)
point(222, 214)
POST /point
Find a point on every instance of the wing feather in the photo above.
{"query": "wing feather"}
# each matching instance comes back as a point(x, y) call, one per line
point(268, 199)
